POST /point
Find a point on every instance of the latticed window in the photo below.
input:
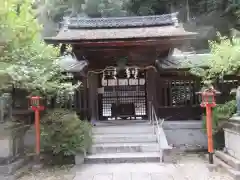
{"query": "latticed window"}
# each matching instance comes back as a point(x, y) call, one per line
point(178, 93)
point(182, 93)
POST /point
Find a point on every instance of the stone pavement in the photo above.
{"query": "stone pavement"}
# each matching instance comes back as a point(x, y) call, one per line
point(187, 168)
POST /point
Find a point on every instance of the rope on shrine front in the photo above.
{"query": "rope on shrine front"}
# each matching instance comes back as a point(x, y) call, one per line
point(112, 68)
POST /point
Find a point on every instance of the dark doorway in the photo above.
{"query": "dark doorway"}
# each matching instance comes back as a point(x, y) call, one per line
point(122, 96)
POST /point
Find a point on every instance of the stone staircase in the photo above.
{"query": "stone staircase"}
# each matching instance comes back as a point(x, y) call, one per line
point(125, 142)
point(228, 163)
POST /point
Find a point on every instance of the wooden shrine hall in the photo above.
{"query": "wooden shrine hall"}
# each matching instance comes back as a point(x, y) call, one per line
point(129, 62)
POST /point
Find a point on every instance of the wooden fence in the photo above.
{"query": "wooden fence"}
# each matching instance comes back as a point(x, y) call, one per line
point(177, 99)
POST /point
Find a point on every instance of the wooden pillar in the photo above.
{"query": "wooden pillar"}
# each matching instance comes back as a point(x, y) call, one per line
point(82, 100)
point(85, 98)
point(63, 49)
point(151, 85)
point(93, 96)
point(151, 75)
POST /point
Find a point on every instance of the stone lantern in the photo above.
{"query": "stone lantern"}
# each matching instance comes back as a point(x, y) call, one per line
point(237, 91)
point(238, 101)
point(232, 131)
point(11, 139)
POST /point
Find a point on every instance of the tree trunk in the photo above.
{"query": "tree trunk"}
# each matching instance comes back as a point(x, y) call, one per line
point(187, 11)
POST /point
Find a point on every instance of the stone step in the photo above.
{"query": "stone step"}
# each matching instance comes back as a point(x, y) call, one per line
point(21, 172)
point(123, 158)
point(10, 168)
point(140, 128)
point(121, 122)
point(234, 163)
point(233, 173)
point(124, 138)
point(124, 147)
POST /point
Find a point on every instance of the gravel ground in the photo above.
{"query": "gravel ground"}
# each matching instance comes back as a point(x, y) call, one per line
point(50, 173)
point(187, 167)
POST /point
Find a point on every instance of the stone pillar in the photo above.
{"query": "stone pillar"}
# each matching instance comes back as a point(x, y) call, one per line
point(11, 141)
point(238, 100)
point(232, 131)
point(232, 136)
point(93, 96)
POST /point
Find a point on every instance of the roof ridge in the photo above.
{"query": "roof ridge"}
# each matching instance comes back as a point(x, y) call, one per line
point(120, 22)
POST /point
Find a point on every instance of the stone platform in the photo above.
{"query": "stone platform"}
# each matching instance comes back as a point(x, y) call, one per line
point(190, 167)
point(229, 158)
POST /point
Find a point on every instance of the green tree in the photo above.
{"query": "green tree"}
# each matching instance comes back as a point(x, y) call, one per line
point(93, 8)
point(224, 60)
point(150, 7)
point(223, 15)
point(25, 58)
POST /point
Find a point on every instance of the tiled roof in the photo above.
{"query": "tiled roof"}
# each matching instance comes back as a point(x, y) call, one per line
point(108, 34)
point(184, 61)
point(120, 22)
point(69, 64)
point(96, 29)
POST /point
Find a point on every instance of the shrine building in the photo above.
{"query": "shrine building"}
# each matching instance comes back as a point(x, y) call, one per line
point(130, 65)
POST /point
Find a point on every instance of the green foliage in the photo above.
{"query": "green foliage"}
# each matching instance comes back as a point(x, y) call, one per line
point(150, 7)
point(224, 60)
point(220, 114)
point(56, 10)
point(223, 15)
point(63, 133)
point(31, 64)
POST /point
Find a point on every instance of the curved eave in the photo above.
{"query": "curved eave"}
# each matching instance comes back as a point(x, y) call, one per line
point(121, 41)
point(114, 35)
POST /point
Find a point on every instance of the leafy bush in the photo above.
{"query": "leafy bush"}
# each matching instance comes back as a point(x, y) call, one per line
point(221, 113)
point(63, 133)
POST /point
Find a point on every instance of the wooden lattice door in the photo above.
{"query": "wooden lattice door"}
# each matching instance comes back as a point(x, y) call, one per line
point(122, 97)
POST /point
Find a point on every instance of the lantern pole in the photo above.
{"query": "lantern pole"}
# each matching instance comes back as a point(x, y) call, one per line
point(208, 101)
point(37, 128)
point(209, 131)
point(36, 107)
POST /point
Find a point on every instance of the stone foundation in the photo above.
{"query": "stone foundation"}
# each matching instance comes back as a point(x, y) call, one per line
point(186, 135)
point(12, 149)
point(232, 137)
point(79, 159)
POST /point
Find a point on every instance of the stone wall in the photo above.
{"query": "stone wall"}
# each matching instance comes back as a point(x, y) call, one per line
point(186, 135)
point(29, 139)
point(180, 134)
point(231, 146)
point(232, 137)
